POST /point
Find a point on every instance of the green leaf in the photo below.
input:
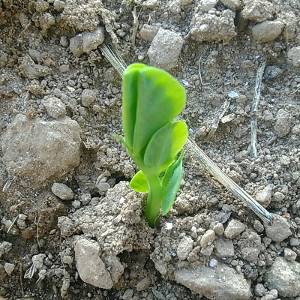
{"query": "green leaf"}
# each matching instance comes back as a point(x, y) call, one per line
point(171, 184)
point(139, 182)
point(165, 144)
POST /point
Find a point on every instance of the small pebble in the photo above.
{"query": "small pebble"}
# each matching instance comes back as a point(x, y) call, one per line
point(62, 191)
point(234, 228)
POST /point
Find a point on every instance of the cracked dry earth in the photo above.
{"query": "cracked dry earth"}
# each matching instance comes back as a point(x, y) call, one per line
point(70, 226)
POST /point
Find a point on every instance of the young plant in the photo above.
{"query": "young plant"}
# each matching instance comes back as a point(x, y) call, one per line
point(151, 101)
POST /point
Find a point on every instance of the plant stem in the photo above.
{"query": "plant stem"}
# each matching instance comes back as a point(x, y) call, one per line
point(153, 205)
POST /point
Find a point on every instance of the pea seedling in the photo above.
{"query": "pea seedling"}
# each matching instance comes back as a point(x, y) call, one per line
point(154, 139)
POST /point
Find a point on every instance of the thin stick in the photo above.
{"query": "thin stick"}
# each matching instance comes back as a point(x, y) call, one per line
point(135, 25)
point(211, 167)
point(12, 224)
point(256, 98)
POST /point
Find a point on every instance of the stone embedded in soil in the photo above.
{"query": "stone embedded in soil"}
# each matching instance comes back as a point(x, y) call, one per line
point(284, 276)
point(51, 147)
point(233, 229)
point(264, 196)
point(207, 238)
point(212, 28)
point(9, 268)
point(46, 21)
point(5, 247)
point(165, 49)
point(258, 10)
point(267, 31)
point(294, 56)
point(220, 283)
point(55, 107)
point(86, 42)
point(279, 230)
point(184, 247)
point(232, 4)
point(62, 191)
point(31, 70)
point(283, 123)
point(88, 97)
point(224, 248)
point(289, 254)
point(89, 265)
point(148, 32)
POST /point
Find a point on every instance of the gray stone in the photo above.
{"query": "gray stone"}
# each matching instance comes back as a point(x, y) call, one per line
point(267, 31)
point(46, 21)
point(41, 6)
point(55, 107)
point(148, 32)
point(212, 28)
point(116, 269)
point(284, 276)
point(86, 42)
point(232, 4)
point(59, 5)
point(9, 268)
point(90, 266)
point(224, 248)
point(234, 228)
point(31, 70)
point(184, 248)
point(279, 230)
point(88, 97)
point(289, 254)
point(143, 284)
point(205, 6)
point(165, 49)
point(150, 4)
point(5, 247)
point(62, 191)
point(51, 147)
point(38, 261)
point(283, 123)
point(264, 196)
point(294, 56)
point(219, 229)
point(258, 10)
point(220, 283)
point(76, 204)
point(207, 238)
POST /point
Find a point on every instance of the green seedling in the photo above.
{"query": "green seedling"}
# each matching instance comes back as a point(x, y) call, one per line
point(153, 137)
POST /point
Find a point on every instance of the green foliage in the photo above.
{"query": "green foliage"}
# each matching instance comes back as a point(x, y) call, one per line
point(151, 101)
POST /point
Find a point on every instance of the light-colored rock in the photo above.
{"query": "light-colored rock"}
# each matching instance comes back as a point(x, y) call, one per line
point(283, 123)
point(232, 4)
point(116, 269)
point(207, 238)
point(220, 283)
point(28, 68)
point(46, 21)
point(184, 248)
point(150, 4)
point(38, 150)
point(41, 6)
point(289, 254)
point(90, 266)
point(212, 28)
point(86, 42)
point(279, 230)
point(264, 196)
point(148, 32)
point(5, 247)
point(9, 268)
point(267, 31)
point(294, 56)
point(143, 284)
point(88, 97)
point(284, 276)
point(224, 248)
point(205, 6)
point(219, 229)
point(38, 261)
point(55, 107)
point(62, 191)
point(234, 228)
point(165, 49)
point(59, 5)
point(258, 10)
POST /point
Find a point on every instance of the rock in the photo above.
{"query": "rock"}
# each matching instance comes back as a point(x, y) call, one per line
point(184, 248)
point(232, 4)
point(258, 226)
point(207, 238)
point(220, 283)
point(165, 49)
point(264, 196)
point(38, 261)
point(284, 276)
point(5, 247)
point(31, 70)
point(41, 6)
point(86, 42)
point(46, 21)
point(148, 32)
point(224, 248)
point(283, 123)
point(59, 5)
point(294, 242)
point(90, 266)
point(88, 97)
point(62, 191)
point(219, 229)
point(55, 107)
point(205, 6)
point(9, 268)
point(234, 228)
point(279, 230)
point(289, 254)
point(294, 56)
point(212, 28)
point(267, 31)
point(51, 147)
point(116, 269)
point(102, 187)
point(143, 284)
point(76, 204)
point(272, 72)
point(260, 290)
point(3, 59)
point(150, 4)
point(258, 10)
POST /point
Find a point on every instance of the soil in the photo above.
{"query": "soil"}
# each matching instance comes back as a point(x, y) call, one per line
point(41, 146)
